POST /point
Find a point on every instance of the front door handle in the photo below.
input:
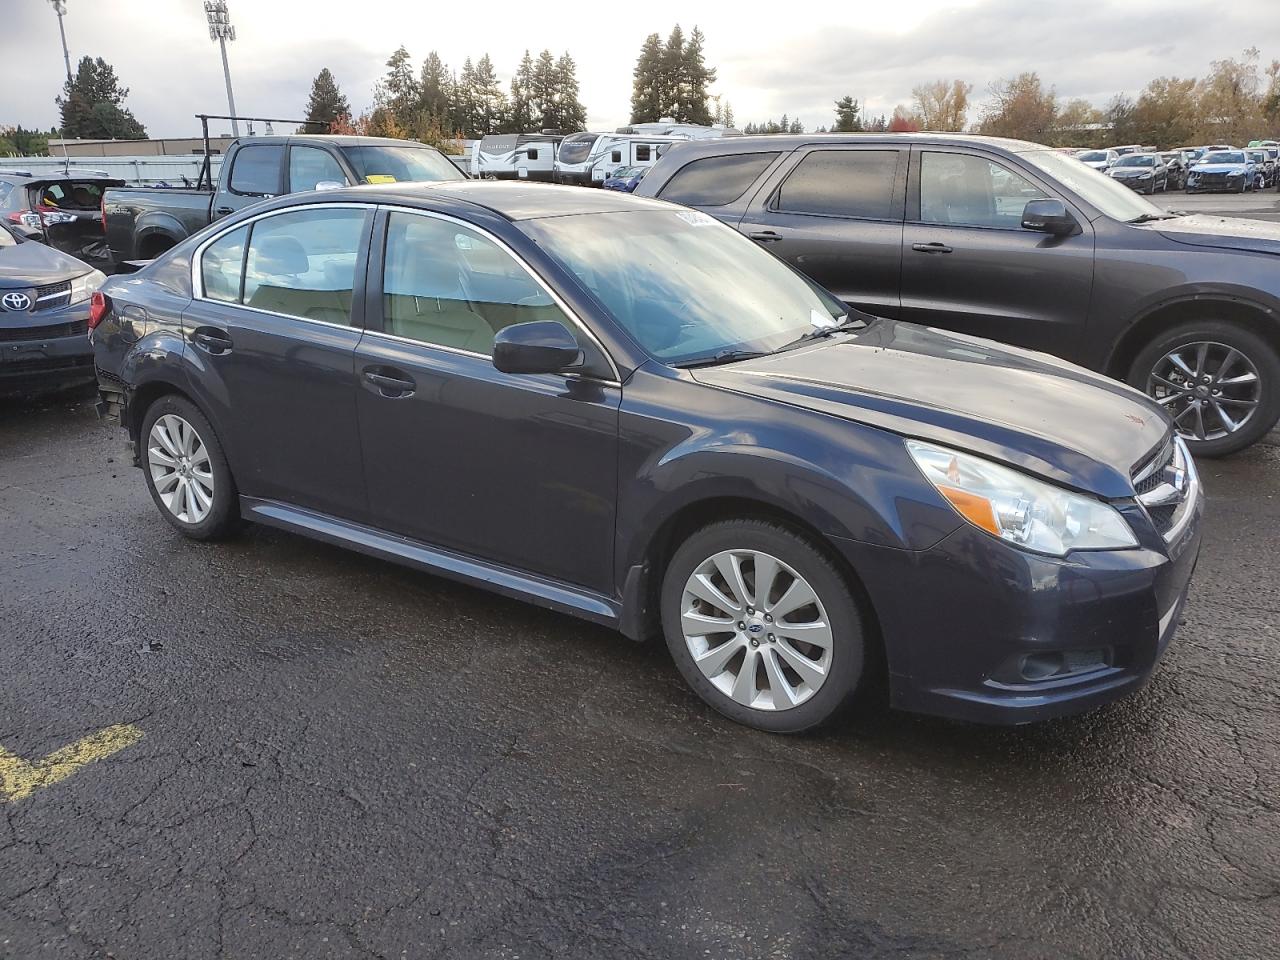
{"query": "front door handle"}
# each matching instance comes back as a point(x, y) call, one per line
point(212, 339)
point(390, 386)
point(765, 236)
point(930, 247)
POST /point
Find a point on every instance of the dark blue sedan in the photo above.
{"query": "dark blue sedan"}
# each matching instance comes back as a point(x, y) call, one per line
point(509, 385)
point(625, 179)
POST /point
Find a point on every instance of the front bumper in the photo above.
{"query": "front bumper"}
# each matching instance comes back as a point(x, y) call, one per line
point(1136, 185)
point(962, 621)
point(45, 350)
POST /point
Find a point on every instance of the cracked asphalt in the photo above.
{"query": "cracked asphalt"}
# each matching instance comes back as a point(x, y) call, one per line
point(342, 758)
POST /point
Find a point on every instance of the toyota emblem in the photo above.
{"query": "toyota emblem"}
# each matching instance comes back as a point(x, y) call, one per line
point(15, 302)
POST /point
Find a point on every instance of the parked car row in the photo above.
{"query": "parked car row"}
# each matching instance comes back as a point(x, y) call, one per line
point(1218, 167)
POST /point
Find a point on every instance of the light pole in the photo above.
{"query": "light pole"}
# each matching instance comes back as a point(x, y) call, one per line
point(60, 8)
point(220, 29)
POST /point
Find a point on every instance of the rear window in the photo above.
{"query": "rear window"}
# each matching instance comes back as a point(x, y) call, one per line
point(72, 195)
point(715, 181)
point(255, 170)
point(842, 183)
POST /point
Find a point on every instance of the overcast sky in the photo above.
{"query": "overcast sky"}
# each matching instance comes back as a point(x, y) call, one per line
point(768, 62)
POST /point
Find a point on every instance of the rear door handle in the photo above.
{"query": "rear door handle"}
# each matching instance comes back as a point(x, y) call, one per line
point(390, 386)
point(223, 211)
point(212, 339)
point(765, 236)
point(930, 248)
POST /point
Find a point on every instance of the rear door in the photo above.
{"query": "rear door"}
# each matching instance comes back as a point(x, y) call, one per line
point(257, 172)
point(835, 213)
point(271, 336)
point(970, 266)
point(720, 185)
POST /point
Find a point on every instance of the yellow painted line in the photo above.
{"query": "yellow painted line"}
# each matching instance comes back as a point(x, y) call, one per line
point(20, 778)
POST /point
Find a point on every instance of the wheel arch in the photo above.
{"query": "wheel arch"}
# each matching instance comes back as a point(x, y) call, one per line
point(143, 396)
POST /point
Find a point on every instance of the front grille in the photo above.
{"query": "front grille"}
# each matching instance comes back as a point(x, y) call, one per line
point(1163, 484)
point(53, 296)
point(53, 331)
point(1150, 474)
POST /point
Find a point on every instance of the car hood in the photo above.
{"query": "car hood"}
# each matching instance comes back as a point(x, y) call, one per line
point(1231, 233)
point(1029, 410)
point(32, 264)
point(1219, 168)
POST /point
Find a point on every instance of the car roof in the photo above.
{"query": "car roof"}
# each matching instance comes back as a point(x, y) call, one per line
point(512, 200)
point(771, 142)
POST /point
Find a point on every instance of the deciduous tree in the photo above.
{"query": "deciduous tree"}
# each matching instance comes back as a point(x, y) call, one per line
point(1021, 108)
point(942, 104)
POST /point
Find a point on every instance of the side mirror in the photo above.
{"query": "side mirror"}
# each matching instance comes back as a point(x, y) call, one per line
point(542, 346)
point(1048, 216)
point(330, 185)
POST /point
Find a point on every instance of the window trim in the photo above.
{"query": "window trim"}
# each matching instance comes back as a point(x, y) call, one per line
point(802, 153)
point(913, 189)
point(281, 169)
point(361, 267)
point(385, 210)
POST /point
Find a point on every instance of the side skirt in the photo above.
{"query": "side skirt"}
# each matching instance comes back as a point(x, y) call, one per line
point(552, 594)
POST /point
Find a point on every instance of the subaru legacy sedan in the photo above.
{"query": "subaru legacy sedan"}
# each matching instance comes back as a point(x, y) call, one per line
point(624, 410)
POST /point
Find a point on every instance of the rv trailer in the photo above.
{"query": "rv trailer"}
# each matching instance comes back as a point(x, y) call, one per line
point(515, 156)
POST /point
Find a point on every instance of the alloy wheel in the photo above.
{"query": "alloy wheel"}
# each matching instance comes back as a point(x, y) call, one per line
point(756, 629)
point(180, 468)
point(1210, 389)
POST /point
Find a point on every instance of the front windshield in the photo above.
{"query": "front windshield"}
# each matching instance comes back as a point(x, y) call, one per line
point(392, 164)
point(7, 239)
point(1258, 156)
point(684, 285)
point(1134, 160)
point(1223, 156)
point(1112, 198)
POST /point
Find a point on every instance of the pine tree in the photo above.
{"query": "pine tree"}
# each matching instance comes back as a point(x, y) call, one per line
point(463, 103)
point(434, 88)
point(326, 105)
point(520, 117)
point(490, 102)
point(847, 116)
point(646, 82)
point(92, 105)
point(571, 114)
point(397, 92)
point(674, 83)
point(542, 91)
point(696, 76)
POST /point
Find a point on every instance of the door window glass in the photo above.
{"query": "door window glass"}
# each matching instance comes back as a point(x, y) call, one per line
point(715, 181)
point(972, 191)
point(642, 152)
point(303, 263)
point(309, 166)
point(449, 286)
point(255, 170)
point(843, 183)
point(222, 265)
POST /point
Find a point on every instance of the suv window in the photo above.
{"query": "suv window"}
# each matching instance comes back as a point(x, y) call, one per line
point(972, 191)
point(308, 166)
point(222, 266)
point(449, 286)
point(715, 181)
point(255, 171)
point(303, 263)
point(842, 183)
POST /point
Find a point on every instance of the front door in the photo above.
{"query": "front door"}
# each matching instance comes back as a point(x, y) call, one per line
point(273, 333)
point(256, 172)
point(968, 265)
point(835, 214)
point(515, 469)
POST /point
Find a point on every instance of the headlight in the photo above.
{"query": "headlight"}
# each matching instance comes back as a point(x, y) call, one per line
point(82, 288)
point(1010, 505)
point(1144, 176)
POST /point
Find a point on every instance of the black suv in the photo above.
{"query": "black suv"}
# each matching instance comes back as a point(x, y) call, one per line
point(1020, 243)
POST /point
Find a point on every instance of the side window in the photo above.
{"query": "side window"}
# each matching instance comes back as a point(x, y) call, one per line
point(303, 263)
point(715, 181)
point(309, 166)
point(255, 170)
point(532, 153)
point(447, 285)
point(5, 189)
point(972, 191)
point(616, 157)
point(642, 152)
point(222, 266)
point(842, 183)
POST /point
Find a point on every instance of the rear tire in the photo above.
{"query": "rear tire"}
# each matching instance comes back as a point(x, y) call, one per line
point(761, 670)
point(1259, 359)
point(186, 470)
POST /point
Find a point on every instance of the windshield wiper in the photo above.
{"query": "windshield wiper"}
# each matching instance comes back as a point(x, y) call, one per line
point(724, 356)
point(823, 331)
point(1148, 217)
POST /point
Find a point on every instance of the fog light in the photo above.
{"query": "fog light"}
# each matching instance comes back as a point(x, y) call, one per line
point(1041, 666)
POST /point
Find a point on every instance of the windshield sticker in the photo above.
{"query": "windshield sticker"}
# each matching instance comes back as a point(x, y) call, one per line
point(379, 178)
point(695, 218)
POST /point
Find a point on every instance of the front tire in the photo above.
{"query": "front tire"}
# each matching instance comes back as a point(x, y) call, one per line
point(763, 626)
point(186, 470)
point(1219, 381)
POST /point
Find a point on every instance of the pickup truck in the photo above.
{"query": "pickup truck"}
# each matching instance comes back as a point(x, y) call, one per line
point(143, 222)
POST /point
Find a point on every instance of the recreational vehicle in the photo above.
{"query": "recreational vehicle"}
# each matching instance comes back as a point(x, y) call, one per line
point(515, 156)
point(587, 159)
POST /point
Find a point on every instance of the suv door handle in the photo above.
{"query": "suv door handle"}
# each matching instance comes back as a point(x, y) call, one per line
point(223, 211)
point(930, 247)
point(212, 339)
point(765, 236)
point(392, 387)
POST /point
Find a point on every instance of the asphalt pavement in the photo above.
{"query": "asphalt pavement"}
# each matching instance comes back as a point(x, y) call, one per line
point(274, 748)
point(1255, 205)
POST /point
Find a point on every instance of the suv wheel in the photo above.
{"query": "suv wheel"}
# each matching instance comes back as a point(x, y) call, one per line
point(1219, 382)
point(186, 471)
point(763, 626)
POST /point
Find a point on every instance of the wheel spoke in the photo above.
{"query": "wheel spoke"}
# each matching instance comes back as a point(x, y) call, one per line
point(713, 662)
point(188, 438)
point(1232, 356)
point(1230, 424)
point(165, 482)
point(173, 499)
point(744, 686)
point(1202, 355)
point(697, 624)
point(730, 567)
point(157, 456)
point(700, 586)
point(161, 432)
point(189, 501)
point(812, 673)
point(1177, 361)
point(1250, 377)
point(1237, 403)
point(1199, 408)
point(203, 498)
point(1167, 382)
point(782, 694)
point(766, 568)
point(798, 595)
point(818, 632)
